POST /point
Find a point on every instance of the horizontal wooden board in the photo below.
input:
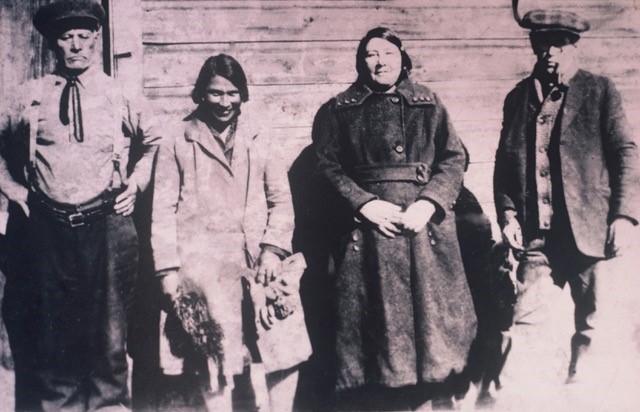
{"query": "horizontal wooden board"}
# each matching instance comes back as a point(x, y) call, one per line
point(239, 21)
point(296, 105)
point(329, 62)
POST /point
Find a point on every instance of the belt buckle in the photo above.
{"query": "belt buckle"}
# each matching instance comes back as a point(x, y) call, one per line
point(76, 219)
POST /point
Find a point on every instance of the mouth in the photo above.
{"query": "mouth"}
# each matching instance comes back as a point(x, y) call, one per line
point(224, 113)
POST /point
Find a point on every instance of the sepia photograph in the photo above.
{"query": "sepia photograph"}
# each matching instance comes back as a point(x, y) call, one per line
point(306, 205)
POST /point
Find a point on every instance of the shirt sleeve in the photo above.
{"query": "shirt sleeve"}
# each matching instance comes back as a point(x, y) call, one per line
point(143, 126)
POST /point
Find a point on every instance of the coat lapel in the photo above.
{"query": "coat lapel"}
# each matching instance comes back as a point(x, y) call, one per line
point(198, 132)
point(578, 91)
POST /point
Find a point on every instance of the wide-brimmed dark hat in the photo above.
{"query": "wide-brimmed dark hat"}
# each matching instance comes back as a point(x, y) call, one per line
point(63, 15)
point(554, 20)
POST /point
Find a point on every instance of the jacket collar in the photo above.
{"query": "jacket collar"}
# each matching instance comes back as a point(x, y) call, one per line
point(579, 89)
point(198, 132)
point(414, 94)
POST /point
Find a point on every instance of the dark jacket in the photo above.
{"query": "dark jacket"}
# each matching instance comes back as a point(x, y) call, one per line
point(598, 159)
point(403, 309)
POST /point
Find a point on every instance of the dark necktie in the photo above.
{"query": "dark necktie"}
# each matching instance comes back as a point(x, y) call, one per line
point(70, 106)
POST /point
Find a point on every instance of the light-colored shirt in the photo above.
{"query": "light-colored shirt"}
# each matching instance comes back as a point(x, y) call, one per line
point(69, 171)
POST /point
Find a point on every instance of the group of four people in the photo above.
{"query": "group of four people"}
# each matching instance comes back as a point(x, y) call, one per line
point(565, 186)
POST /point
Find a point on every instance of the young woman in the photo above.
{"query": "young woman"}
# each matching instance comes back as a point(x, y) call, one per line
point(221, 206)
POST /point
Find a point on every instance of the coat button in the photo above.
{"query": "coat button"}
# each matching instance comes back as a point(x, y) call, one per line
point(353, 100)
point(422, 98)
point(395, 99)
point(399, 149)
point(430, 233)
point(414, 98)
point(545, 224)
point(354, 237)
point(542, 149)
point(428, 98)
point(545, 200)
point(356, 248)
point(432, 242)
point(544, 173)
point(541, 120)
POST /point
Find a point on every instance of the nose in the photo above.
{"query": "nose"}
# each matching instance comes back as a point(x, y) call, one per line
point(224, 100)
point(76, 44)
point(554, 51)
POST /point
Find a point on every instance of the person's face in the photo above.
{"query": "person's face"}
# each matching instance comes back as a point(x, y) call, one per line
point(554, 49)
point(74, 48)
point(223, 99)
point(384, 61)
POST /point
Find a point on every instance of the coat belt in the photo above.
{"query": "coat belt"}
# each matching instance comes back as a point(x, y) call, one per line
point(403, 172)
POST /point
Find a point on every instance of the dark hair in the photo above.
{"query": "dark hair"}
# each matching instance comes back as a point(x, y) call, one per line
point(220, 65)
point(388, 35)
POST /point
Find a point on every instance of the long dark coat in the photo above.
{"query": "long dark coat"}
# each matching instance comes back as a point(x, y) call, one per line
point(598, 159)
point(403, 308)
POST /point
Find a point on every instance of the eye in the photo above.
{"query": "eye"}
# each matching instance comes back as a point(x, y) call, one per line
point(215, 93)
point(371, 54)
point(234, 93)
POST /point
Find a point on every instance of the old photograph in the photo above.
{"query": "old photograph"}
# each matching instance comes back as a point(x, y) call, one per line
point(305, 205)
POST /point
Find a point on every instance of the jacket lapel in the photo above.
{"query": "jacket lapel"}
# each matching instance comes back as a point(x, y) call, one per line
point(579, 90)
point(198, 132)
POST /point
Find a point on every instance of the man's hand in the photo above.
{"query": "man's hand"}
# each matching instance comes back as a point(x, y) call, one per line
point(386, 216)
point(18, 194)
point(126, 201)
point(269, 267)
point(417, 215)
point(512, 232)
point(620, 238)
point(170, 284)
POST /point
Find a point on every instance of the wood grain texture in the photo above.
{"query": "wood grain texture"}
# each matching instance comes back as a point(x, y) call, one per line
point(274, 63)
point(233, 21)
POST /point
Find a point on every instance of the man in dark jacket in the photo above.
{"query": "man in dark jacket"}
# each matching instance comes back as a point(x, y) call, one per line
point(566, 175)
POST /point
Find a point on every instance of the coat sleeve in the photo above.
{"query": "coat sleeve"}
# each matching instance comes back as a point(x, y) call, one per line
point(331, 159)
point(621, 154)
point(164, 234)
point(447, 169)
point(501, 172)
point(279, 230)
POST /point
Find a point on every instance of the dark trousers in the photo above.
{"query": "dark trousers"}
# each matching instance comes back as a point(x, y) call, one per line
point(83, 278)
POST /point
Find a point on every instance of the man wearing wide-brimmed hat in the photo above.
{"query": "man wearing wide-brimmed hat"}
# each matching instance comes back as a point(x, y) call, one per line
point(66, 168)
point(566, 178)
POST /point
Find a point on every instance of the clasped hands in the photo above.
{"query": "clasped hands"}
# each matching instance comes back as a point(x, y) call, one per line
point(391, 221)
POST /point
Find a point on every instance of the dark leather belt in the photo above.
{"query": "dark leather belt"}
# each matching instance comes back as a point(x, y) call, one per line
point(405, 172)
point(75, 215)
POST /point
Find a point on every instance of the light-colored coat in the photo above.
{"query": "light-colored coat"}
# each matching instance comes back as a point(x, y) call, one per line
point(210, 218)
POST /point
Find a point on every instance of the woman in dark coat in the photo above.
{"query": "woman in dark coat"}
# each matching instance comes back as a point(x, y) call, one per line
point(403, 308)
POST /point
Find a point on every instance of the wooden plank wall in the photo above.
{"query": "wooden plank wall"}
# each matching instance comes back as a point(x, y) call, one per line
point(298, 54)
